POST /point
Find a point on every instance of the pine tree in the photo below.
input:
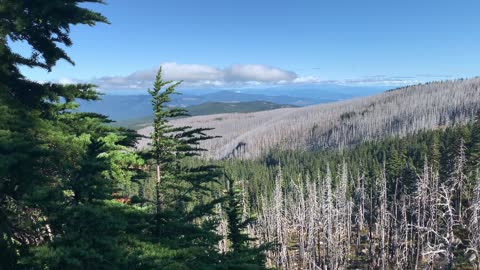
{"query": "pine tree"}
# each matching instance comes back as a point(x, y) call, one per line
point(459, 178)
point(237, 238)
point(29, 132)
point(242, 254)
point(183, 203)
point(163, 144)
point(435, 154)
point(473, 149)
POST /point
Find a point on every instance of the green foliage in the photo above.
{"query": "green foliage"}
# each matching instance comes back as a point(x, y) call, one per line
point(347, 116)
point(473, 146)
point(58, 168)
point(242, 254)
point(32, 119)
point(90, 240)
point(237, 238)
point(44, 24)
point(170, 146)
point(181, 202)
point(72, 190)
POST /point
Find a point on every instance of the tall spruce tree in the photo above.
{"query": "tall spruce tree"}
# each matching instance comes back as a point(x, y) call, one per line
point(183, 204)
point(59, 169)
point(29, 135)
point(242, 254)
point(473, 149)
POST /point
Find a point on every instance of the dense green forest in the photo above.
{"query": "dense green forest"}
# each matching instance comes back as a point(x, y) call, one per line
point(65, 175)
point(75, 192)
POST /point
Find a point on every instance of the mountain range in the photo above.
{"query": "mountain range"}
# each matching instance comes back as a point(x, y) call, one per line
point(126, 107)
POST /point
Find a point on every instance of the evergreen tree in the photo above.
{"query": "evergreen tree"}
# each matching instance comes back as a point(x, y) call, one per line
point(59, 169)
point(242, 253)
point(184, 203)
point(458, 178)
point(238, 239)
point(435, 154)
point(474, 147)
point(30, 134)
point(83, 224)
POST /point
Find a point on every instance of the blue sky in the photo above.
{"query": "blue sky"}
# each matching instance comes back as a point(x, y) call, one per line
point(223, 43)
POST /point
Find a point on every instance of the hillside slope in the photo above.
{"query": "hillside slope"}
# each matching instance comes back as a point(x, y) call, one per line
point(207, 109)
point(335, 125)
point(240, 107)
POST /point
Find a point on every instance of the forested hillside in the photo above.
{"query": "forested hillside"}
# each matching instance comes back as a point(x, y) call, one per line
point(410, 203)
point(400, 112)
point(207, 109)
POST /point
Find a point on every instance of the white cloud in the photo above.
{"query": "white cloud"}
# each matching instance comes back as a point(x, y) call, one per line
point(257, 73)
point(195, 75)
point(191, 72)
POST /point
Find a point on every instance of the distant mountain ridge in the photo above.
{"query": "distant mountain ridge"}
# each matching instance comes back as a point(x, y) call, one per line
point(125, 107)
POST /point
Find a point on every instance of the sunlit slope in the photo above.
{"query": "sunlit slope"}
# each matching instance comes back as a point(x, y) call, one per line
point(398, 112)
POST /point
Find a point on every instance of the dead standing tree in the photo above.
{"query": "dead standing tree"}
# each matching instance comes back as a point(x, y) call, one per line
point(447, 241)
point(343, 218)
point(281, 230)
point(328, 213)
point(383, 219)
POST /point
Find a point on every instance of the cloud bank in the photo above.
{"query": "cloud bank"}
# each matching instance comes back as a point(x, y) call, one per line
point(195, 75)
point(237, 76)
